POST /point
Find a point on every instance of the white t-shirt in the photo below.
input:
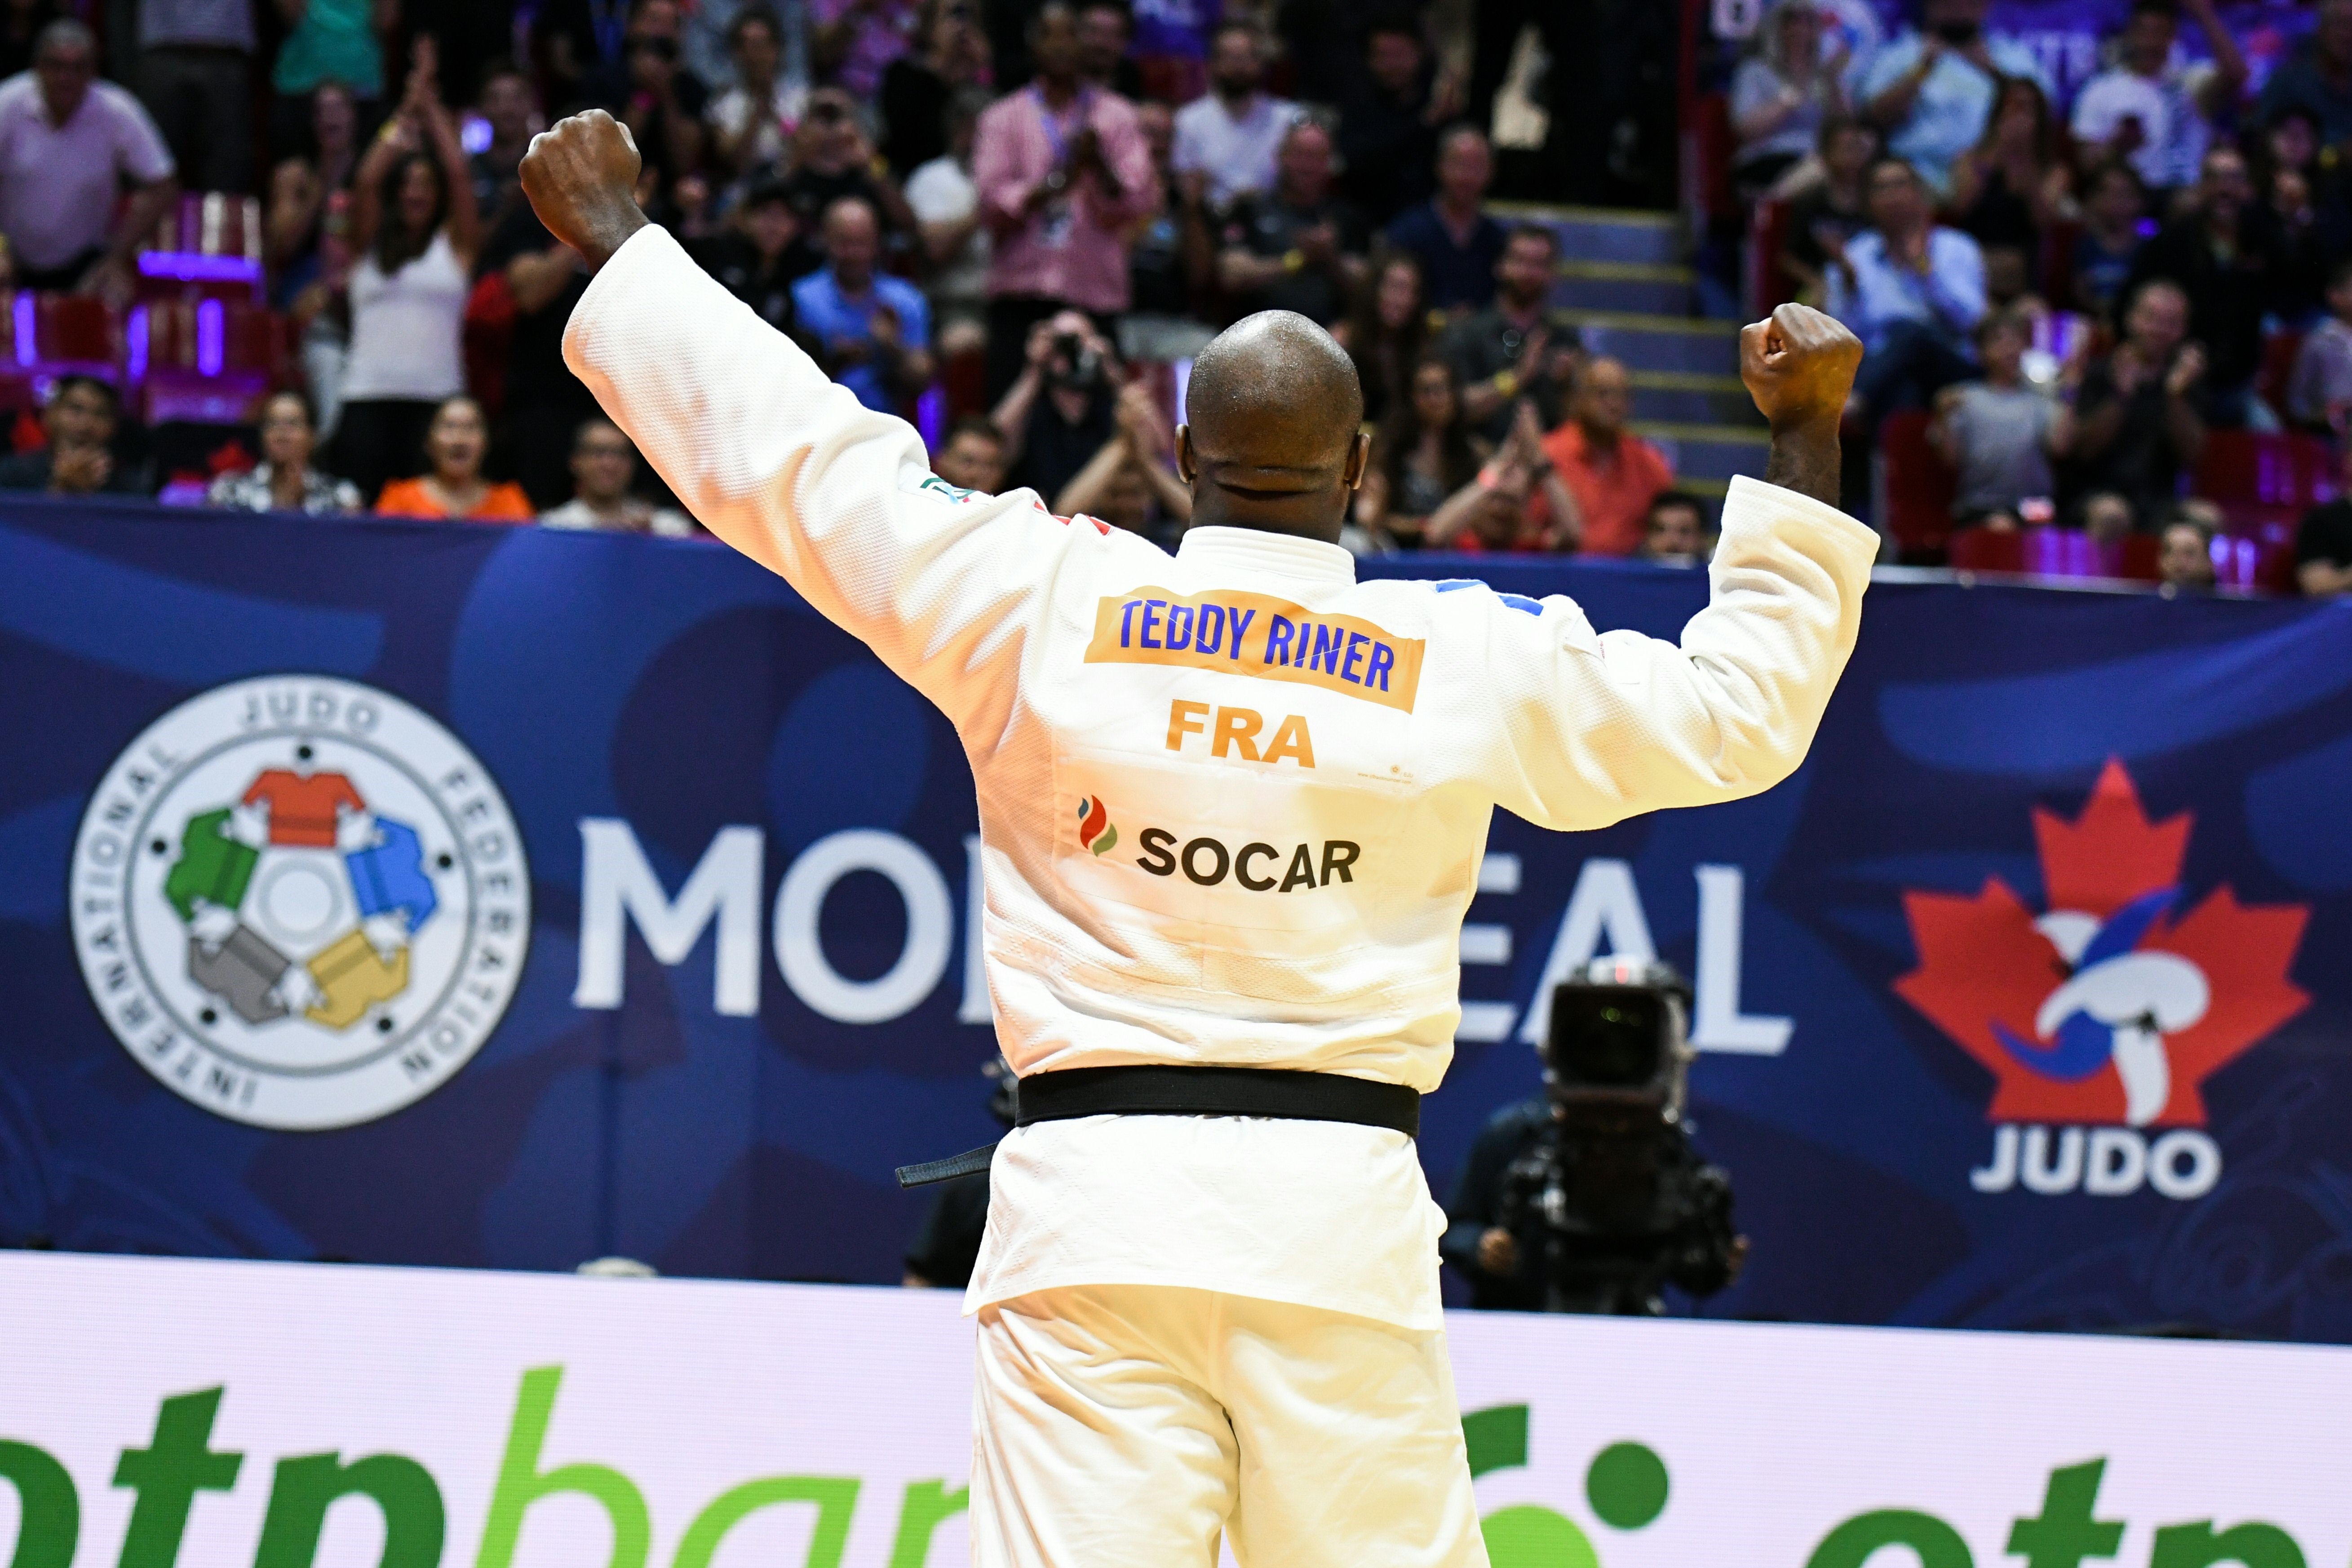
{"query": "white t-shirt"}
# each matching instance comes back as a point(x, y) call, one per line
point(408, 329)
point(59, 183)
point(2174, 127)
point(663, 522)
point(731, 110)
point(1233, 802)
point(1237, 155)
point(941, 191)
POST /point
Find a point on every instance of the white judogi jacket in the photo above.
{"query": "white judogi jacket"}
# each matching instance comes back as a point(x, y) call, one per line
point(1232, 804)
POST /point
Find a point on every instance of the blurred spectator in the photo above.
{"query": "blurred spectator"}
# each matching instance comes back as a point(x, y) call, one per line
point(21, 22)
point(2152, 112)
point(2316, 77)
point(1059, 411)
point(833, 159)
point(1164, 261)
point(1425, 451)
point(67, 144)
point(299, 188)
point(2011, 186)
point(2322, 543)
point(603, 467)
point(1297, 246)
point(1388, 120)
point(2115, 204)
point(1518, 346)
point(2106, 516)
point(2319, 395)
point(1674, 531)
point(875, 329)
point(761, 254)
point(577, 45)
point(1911, 290)
point(1226, 141)
point(544, 401)
point(1064, 176)
point(1832, 208)
point(2136, 426)
point(284, 480)
point(1996, 433)
point(194, 56)
point(1612, 472)
point(456, 440)
point(1515, 503)
point(1457, 243)
point(1782, 94)
point(510, 108)
point(1386, 332)
point(662, 104)
point(1106, 34)
point(853, 41)
point(2184, 556)
point(1131, 482)
point(709, 51)
point(1931, 90)
point(752, 122)
point(331, 40)
point(80, 420)
point(415, 230)
point(972, 459)
point(945, 201)
point(921, 87)
point(2225, 254)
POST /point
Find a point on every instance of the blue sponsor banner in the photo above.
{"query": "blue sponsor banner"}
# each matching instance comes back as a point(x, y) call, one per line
point(435, 895)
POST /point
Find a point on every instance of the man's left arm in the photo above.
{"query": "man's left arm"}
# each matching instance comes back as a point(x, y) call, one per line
point(146, 164)
point(1596, 728)
point(1956, 279)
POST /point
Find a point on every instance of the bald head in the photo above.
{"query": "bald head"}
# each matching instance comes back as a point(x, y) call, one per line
point(1274, 439)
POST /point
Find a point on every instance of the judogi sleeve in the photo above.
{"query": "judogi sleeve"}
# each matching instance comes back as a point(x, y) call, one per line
point(795, 472)
point(1593, 727)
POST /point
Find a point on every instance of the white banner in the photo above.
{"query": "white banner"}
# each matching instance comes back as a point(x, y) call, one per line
point(225, 1414)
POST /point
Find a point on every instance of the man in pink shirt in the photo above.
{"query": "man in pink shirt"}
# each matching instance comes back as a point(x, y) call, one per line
point(1064, 174)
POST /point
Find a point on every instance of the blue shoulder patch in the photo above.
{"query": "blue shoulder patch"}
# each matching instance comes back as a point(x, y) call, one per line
point(1517, 601)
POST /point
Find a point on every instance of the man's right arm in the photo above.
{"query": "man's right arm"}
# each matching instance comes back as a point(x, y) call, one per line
point(786, 467)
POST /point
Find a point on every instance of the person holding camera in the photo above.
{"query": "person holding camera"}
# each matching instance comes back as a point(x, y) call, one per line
point(1590, 1196)
point(1063, 408)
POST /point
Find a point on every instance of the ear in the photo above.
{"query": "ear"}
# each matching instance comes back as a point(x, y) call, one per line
point(1360, 458)
point(1185, 469)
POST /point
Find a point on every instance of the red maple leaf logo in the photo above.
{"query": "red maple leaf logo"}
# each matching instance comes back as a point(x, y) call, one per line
point(2105, 1008)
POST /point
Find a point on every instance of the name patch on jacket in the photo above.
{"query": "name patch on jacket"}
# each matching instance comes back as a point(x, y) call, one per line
point(1253, 634)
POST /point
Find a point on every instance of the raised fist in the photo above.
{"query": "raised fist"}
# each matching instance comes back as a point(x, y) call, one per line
point(582, 179)
point(1799, 365)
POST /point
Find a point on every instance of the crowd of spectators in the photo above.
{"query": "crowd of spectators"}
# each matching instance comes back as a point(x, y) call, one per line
point(2078, 299)
point(1013, 222)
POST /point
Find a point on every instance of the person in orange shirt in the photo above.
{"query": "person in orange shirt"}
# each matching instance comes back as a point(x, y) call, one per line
point(453, 444)
point(1612, 472)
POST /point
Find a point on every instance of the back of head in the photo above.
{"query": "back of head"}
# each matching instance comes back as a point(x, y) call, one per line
point(1273, 439)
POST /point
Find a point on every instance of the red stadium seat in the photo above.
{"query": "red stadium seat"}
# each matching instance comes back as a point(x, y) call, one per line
point(2264, 481)
point(206, 362)
point(2279, 351)
point(50, 335)
point(1767, 236)
point(1918, 502)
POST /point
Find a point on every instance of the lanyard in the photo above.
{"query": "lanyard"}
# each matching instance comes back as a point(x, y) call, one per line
point(1056, 137)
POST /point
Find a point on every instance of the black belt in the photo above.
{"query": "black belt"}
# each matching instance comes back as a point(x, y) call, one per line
point(1158, 1091)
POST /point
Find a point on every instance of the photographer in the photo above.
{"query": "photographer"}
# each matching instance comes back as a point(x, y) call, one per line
point(1590, 1197)
point(1062, 410)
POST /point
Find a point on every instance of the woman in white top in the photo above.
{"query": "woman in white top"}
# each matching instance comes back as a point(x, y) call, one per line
point(1781, 93)
point(417, 233)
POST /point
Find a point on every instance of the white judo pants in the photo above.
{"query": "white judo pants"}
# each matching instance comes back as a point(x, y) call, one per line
point(1131, 1426)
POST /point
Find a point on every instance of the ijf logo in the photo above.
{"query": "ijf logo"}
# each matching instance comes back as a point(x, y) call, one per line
point(2104, 1015)
point(300, 902)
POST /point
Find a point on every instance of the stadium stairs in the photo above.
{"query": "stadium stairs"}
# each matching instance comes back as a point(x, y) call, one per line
point(1624, 281)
